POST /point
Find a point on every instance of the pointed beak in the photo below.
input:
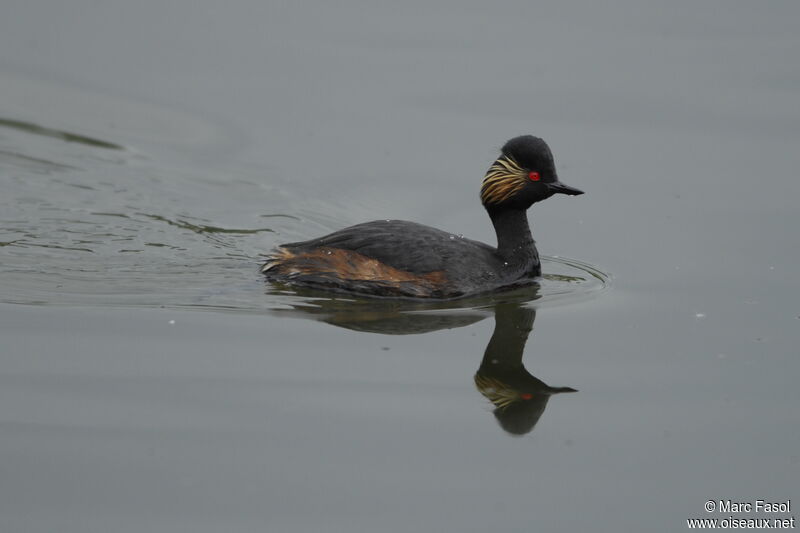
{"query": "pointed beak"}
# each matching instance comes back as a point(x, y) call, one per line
point(558, 187)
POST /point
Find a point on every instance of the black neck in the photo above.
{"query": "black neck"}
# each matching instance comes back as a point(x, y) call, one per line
point(514, 240)
point(512, 325)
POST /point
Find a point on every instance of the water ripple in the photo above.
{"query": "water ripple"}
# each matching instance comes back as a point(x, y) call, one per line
point(36, 129)
point(80, 228)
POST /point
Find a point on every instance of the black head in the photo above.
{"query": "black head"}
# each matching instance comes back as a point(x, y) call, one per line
point(523, 175)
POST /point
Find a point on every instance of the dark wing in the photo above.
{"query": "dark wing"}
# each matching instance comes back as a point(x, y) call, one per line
point(403, 245)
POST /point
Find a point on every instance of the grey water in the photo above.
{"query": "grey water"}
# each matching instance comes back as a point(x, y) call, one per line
point(151, 154)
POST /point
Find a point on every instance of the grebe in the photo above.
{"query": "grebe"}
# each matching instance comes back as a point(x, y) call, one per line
point(396, 258)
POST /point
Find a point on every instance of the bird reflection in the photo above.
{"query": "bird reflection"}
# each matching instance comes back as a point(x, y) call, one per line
point(518, 397)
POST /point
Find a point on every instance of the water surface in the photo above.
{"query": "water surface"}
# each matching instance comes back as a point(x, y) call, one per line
point(151, 154)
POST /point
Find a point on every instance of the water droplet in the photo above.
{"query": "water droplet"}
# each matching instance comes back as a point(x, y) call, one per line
point(505, 264)
point(699, 315)
point(328, 252)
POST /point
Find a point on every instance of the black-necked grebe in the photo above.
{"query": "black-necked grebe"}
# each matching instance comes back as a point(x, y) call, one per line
point(396, 258)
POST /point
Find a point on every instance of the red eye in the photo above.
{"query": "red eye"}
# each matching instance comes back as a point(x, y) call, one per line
point(534, 176)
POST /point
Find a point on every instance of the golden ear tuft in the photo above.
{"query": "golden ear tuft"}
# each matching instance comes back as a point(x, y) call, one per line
point(497, 392)
point(503, 179)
